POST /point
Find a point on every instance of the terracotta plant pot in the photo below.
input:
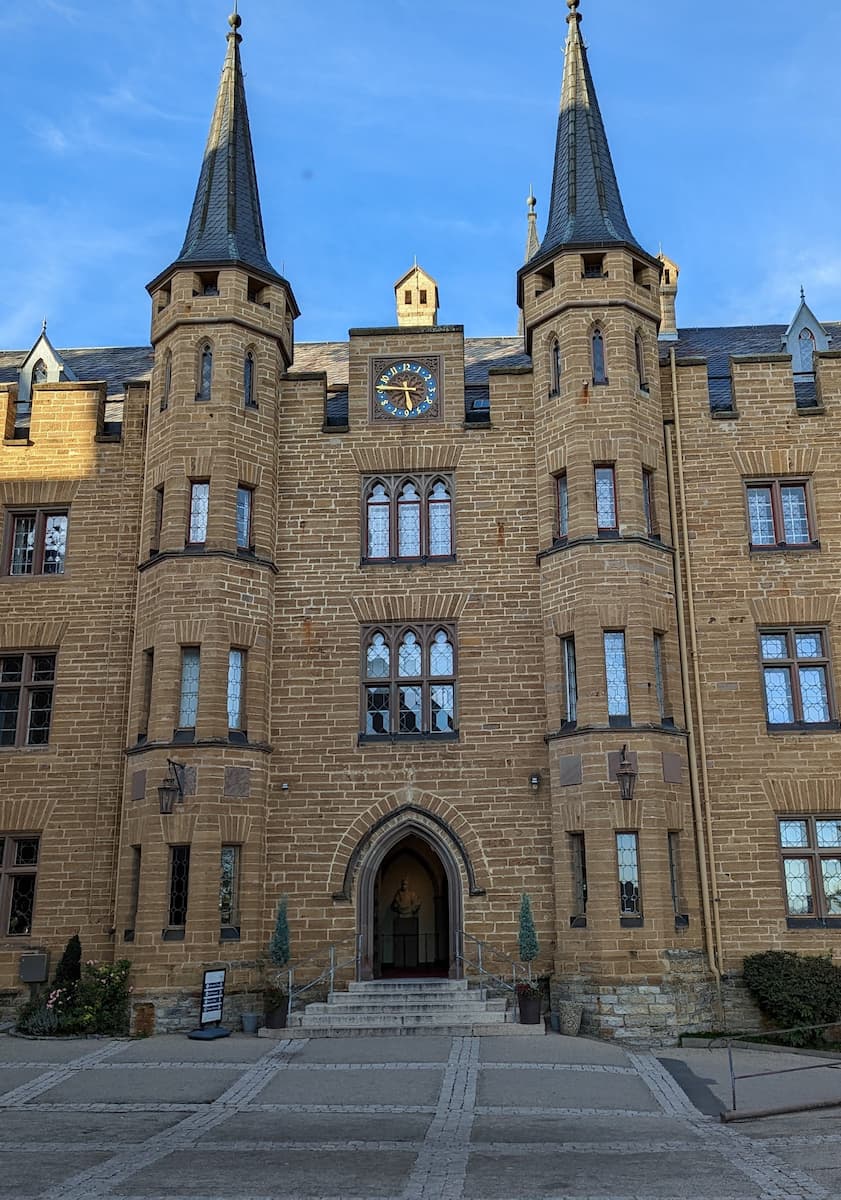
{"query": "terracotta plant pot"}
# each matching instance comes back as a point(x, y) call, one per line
point(529, 1010)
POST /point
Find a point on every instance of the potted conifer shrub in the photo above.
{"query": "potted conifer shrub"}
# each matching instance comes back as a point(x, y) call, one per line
point(528, 990)
point(275, 995)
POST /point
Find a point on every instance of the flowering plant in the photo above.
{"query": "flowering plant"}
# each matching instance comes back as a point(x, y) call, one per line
point(528, 988)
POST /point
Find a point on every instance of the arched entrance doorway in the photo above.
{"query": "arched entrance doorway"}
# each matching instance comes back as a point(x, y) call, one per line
point(409, 907)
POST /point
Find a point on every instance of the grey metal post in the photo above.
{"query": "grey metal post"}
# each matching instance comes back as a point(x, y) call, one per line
point(732, 1077)
point(332, 967)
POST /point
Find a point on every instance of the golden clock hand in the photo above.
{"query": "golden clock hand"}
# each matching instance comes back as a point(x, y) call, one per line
point(385, 388)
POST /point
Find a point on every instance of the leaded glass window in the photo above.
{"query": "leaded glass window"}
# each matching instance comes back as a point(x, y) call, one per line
point(245, 502)
point(408, 519)
point(627, 855)
point(37, 543)
point(179, 885)
point(189, 702)
point(806, 351)
point(26, 698)
point(236, 689)
point(616, 674)
point(19, 857)
point(562, 499)
point(199, 508)
point(779, 514)
point(649, 510)
point(229, 886)
point(659, 674)
point(578, 852)
point(555, 368)
point(605, 481)
point(795, 670)
point(811, 855)
point(570, 680)
point(409, 685)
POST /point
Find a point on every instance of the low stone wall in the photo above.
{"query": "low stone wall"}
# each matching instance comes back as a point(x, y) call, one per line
point(10, 1002)
point(167, 1012)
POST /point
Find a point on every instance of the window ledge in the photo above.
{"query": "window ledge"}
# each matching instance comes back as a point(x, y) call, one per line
point(108, 438)
point(384, 739)
point(571, 731)
point(724, 414)
point(142, 747)
point(813, 922)
point(785, 548)
point(631, 922)
point(805, 727)
point(563, 544)
point(335, 428)
point(173, 935)
point(17, 442)
point(619, 721)
point(198, 551)
point(811, 410)
point(425, 560)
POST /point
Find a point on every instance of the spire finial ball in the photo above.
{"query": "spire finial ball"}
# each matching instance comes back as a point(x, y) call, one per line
point(573, 4)
point(235, 20)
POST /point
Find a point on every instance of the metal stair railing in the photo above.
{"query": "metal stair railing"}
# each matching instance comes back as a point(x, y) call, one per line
point(328, 973)
point(485, 953)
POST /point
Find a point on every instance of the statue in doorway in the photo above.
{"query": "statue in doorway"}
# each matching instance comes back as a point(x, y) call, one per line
point(406, 903)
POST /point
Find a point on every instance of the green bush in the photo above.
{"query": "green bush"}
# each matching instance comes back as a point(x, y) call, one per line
point(529, 947)
point(279, 944)
point(69, 969)
point(793, 989)
point(98, 1003)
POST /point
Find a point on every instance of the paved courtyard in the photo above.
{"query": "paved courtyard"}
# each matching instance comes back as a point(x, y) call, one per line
point(425, 1118)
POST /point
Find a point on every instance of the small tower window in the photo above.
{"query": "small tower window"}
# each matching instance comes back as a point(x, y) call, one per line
point(248, 381)
point(205, 372)
point(407, 296)
point(592, 266)
point(167, 381)
point(806, 351)
point(39, 372)
point(555, 368)
point(599, 373)
point(639, 355)
point(423, 296)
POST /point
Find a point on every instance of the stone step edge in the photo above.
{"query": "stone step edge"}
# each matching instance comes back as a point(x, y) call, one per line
point(508, 1030)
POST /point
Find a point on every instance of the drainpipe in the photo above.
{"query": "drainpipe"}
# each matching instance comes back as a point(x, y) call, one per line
point(700, 803)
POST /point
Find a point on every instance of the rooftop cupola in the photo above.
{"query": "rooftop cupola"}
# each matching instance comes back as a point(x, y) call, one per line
point(585, 207)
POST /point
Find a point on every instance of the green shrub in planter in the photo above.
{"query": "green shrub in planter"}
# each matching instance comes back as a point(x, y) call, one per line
point(793, 989)
point(528, 944)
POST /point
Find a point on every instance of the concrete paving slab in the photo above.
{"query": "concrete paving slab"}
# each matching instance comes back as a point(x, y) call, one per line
point(508, 1127)
point(27, 1175)
point(139, 1087)
point(375, 1050)
point(178, 1048)
point(562, 1089)
point(15, 1077)
point(673, 1176)
point(551, 1048)
point(46, 1050)
point(283, 1175)
point(768, 1090)
point(353, 1087)
point(822, 1123)
point(76, 1128)
point(321, 1127)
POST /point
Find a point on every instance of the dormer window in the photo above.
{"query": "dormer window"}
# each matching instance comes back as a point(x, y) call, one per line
point(39, 372)
point(806, 351)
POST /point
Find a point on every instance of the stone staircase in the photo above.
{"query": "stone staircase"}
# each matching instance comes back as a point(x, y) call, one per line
point(402, 1007)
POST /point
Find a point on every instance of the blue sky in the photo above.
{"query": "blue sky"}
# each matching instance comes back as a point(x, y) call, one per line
point(386, 129)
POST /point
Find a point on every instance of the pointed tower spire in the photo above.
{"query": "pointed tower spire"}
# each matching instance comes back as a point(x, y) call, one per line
point(532, 239)
point(226, 225)
point(586, 207)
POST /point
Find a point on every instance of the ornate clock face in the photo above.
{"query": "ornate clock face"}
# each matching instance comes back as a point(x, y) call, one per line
point(406, 389)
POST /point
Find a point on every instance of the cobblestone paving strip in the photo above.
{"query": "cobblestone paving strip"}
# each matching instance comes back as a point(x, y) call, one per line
point(532, 1066)
point(338, 1108)
point(107, 1106)
point(101, 1180)
point(57, 1073)
point(497, 1110)
point(776, 1179)
point(441, 1165)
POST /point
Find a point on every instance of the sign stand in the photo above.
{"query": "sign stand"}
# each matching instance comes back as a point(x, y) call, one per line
point(212, 999)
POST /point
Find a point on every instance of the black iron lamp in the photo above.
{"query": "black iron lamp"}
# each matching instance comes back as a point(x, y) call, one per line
point(627, 775)
point(172, 788)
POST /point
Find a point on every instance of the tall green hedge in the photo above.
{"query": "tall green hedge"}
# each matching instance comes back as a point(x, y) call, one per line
point(793, 989)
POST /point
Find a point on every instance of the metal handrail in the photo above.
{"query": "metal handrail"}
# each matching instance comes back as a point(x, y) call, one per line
point(334, 964)
point(484, 948)
point(728, 1040)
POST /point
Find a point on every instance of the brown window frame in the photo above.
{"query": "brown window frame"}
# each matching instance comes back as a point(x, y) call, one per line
point(578, 875)
point(775, 486)
point(40, 517)
point(175, 930)
point(606, 530)
point(629, 916)
point(393, 633)
point(569, 669)
point(393, 485)
point(230, 930)
point(792, 663)
point(25, 687)
point(813, 853)
point(246, 546)
point(238, 732)
point(618, 720)
point(9, 872)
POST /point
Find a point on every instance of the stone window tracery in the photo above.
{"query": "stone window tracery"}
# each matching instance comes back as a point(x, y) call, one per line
point(408, 518)
point(409, 681)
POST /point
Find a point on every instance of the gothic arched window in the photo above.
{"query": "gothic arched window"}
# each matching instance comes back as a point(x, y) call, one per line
point(599, 372)
point(806, 351)
point(205, 372)
point(408, 518)
point(39, 372)
point(378, 522)
point(248, 380)
point(409, 522)
point(555, 368)
point(440, 520)
point(408, 685)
